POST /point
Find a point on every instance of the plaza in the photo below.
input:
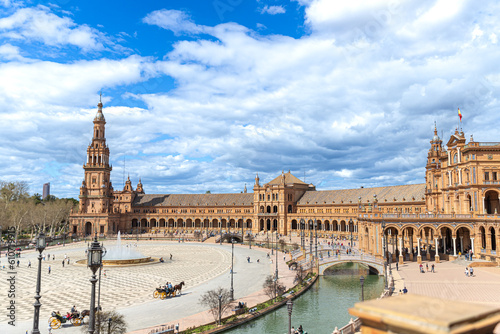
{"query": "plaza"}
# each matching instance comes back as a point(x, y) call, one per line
point(129, 290)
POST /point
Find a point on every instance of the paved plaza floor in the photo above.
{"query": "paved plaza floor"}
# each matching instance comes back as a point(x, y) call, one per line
point(129, 290)
point(450, 282)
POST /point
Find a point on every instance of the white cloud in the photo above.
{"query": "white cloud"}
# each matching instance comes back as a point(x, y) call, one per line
point(10, 52)
point(39, 24)
point(347, 109)
point(175, 20)
point(273, 10)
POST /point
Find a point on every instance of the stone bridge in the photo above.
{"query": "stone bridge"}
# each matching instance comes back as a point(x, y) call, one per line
point(374, 264)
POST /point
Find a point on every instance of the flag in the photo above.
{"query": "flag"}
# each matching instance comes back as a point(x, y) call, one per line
point(459, 114)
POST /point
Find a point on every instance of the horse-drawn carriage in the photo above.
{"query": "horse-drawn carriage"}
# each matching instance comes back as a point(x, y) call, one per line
point(76, 318)
point(164, 292)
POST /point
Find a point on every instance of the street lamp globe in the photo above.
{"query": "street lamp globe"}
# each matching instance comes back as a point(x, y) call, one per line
point(40, 242)
point(94, 260)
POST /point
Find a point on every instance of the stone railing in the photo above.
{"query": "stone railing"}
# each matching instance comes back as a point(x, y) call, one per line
point(351, 328)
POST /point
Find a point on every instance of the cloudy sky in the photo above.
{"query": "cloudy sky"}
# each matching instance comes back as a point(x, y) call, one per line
point(202, 95)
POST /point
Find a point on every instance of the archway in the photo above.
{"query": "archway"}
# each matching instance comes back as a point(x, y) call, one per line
point(493, 239)
point(294, 224)
point(491, 204)
point(483, 237)
point(88, 228)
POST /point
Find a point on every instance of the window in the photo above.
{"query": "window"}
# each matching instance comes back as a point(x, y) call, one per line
point(494, 176)
point(486, 176)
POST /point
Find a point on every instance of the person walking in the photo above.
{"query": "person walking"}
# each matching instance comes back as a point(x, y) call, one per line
point(467, 271)
point(427, 267)
point(49, 270)
point(471, 272)
point(29, 264)
point(397, 266)
point(63, 263)
point(432, 268)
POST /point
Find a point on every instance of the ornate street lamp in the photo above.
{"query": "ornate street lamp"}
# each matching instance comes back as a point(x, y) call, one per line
point(310, 242)
point(272, 241)
point(316, 238)
point(289, 306)
point(362, 281)
point(276, 254)
point(40, 246)
point(302, 227)
point(220, 309)
point(385, 254)
point(220, 229)
point(351, 227)
point(94, 262)
point(232, 269)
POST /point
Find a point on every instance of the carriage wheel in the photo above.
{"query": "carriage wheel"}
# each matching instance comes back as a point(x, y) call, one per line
point(156, 294)
point(50, 319)
point(173, 293)
point(55, 324)
point(163, 295)
point(76, 321)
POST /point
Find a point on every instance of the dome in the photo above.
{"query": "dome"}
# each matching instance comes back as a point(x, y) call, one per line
point(435, 138)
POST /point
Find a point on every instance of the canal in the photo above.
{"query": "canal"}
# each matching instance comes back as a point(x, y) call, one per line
point(324, 306)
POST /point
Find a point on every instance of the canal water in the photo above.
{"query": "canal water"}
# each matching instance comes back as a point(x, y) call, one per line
point(324, 306)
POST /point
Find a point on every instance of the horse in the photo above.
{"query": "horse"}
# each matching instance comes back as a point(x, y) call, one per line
point(178, 287)
point(86, 313)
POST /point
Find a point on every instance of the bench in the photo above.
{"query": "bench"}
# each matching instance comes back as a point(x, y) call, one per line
point(240, 310)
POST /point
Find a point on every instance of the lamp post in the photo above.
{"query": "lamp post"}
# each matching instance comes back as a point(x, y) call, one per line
point(220, 309)
point(385, 254)
point(315, 238)
point(351, 227)
point(0, 241)
point(362, 281)
point(220, 230)
point(276, 254)
point(232, 269)
point(109, 325)
point(94, 262)
point(310, 242)
point(302, 227)
point(289, 306)
point(272, 241)
point(40, 246)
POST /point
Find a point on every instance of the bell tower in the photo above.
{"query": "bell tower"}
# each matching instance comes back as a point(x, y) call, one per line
point(96, 190)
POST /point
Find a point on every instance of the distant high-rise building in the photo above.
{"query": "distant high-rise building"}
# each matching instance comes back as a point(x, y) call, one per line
point(46, 190)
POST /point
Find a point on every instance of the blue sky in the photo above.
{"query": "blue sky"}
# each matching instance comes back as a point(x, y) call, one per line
point(202, 95)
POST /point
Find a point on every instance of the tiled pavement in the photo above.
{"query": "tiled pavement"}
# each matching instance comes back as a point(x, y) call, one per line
point(449, 282)
point(130, 289)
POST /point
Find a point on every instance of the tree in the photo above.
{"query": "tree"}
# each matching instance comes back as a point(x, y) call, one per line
point(210, 299)
point(118, 323)
point(300, 274)
point(273, 288)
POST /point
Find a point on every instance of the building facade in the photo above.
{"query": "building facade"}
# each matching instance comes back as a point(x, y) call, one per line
point(455, 210)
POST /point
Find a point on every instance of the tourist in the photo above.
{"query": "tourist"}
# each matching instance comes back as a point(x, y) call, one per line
point(170, 256)
point(432, 268)
point(421, 268)
point(427, 267)
point(29, 264)
point(467, 271)
point(397, 266)
point(54, 257)
point(63, 263)
point(405, 290)
point(18, 263)
point(49, 270)
point(471, 272)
